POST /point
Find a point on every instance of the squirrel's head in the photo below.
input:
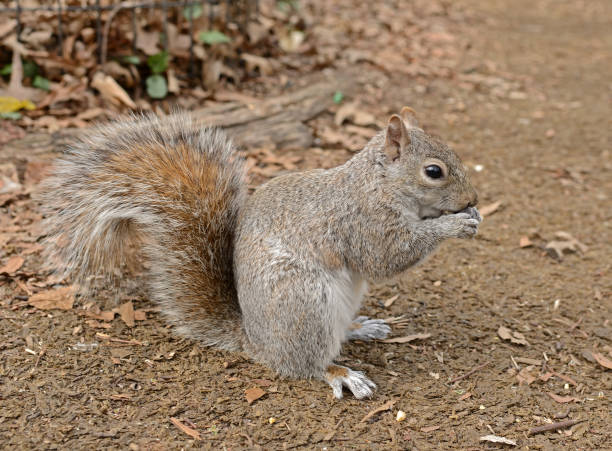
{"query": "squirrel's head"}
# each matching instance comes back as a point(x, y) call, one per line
point(424, 170)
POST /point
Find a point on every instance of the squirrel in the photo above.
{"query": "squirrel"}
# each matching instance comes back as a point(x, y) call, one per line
point(279, 274)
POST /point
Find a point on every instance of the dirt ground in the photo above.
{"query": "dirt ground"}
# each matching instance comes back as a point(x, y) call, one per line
point(519, 338)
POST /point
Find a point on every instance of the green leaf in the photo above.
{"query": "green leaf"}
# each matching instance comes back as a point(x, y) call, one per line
point(30, 69)
point(14, 115)
point(6, 70)
point(338, 97)
point(157, 87)
point(213, 37)
point(130, 59)
point(41, 83)
point(193, 11)
point(158, 63)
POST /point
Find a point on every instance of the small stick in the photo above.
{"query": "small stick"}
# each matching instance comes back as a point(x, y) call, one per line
point(554, 426)
point(576, 324)
point(469, 373)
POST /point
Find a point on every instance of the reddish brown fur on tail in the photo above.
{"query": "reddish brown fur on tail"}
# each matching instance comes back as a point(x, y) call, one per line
point(169, 189)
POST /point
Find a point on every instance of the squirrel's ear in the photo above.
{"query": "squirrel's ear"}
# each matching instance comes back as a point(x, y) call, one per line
point(397, 137)
point(409, 117)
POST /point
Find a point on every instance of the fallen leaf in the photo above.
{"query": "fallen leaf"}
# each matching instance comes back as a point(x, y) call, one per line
point(386, 406)
point(528, 361)
point(544, 377)
point(12, 265)
point(291, 41)
point(264, 65)
point(514, 337)
point(563, 244)
point(407, 338)
point(140, 315)
point(126, 311)
point(59, 298)
point(186, 429)
point(430, 428)
point(111, 90)
point(603, 361)
point(354, 112)
point(391, 300)
point(97, 324)
point(497, 439)
point(562, 399)
point(525, 377)
point(464, 396)
point(253, 394)
point(489, 209)
point(11, 104)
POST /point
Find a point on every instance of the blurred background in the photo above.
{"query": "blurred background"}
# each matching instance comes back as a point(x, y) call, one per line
point(504, 339)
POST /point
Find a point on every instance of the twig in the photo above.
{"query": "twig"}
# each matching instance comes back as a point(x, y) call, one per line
point(109, 19)
point(554, 426)
point(576, 324)
point(469, 373)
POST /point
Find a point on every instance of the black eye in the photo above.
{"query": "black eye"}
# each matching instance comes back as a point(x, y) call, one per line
point(433, 171)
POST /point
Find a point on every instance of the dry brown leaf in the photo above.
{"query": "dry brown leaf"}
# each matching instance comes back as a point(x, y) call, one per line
point(430, 428)
point(391, 300)
point(514, 337)
point(58, 298)
point(140, 315)
point(407, 338)
point(111, 90)
point(525, 376)
point(464, 396)
point(489, 209)
point(186, 429)
point(562, 399)
point(266, 66)
point(12, 265)
point(564, 243)
point(386, 406)
point(147, 41)
point(126, 311)
point(173, 82)
point(544, 377)
point(253, 394)
point(497, 439)
point(354, 112)
point(97, 324)
point(603, 361)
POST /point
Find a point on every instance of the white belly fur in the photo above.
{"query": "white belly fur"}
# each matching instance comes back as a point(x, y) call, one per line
point(346, 292)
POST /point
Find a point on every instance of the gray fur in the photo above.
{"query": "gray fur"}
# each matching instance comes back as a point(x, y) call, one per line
point(303, 244)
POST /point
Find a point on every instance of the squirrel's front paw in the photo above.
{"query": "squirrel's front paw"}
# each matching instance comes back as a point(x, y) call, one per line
point(473, 212)
point(357, 382)
point(461, 225)
point(364, 328)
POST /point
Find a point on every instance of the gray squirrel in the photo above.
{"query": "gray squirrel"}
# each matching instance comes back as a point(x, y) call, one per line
point(279, 274)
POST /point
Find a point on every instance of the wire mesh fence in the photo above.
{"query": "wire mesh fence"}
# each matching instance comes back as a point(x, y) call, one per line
point(239, 12)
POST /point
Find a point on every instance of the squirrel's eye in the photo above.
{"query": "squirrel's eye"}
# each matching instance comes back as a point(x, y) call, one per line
point(433, 171)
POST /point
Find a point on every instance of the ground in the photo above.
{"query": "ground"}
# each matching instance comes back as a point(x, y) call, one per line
point(519, 337)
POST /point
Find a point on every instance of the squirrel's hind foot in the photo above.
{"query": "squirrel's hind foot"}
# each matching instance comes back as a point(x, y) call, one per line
point(357, 382)
point(366, 329)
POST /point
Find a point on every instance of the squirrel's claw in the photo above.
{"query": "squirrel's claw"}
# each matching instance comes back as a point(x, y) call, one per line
point(364, 328)
point(355, 381)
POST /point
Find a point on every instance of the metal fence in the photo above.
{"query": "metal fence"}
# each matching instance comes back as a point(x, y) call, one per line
point(236, 11)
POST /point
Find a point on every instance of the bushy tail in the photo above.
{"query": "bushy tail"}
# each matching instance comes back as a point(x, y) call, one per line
point(167, 188)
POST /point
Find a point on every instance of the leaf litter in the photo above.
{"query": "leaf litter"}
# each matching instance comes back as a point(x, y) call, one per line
point(72, 101)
